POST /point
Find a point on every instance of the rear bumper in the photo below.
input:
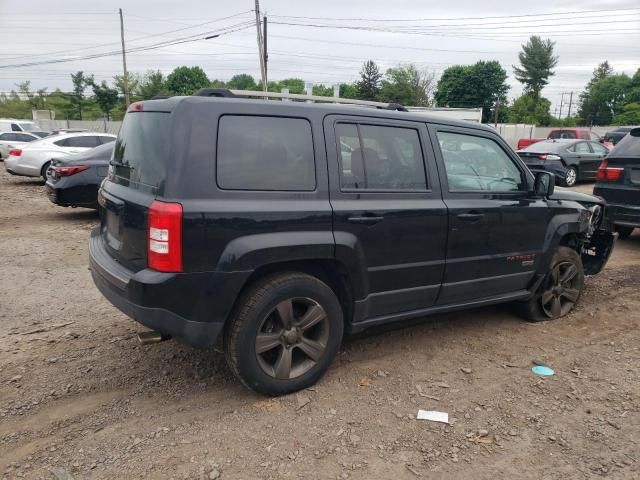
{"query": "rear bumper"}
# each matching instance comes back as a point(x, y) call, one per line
point(77, 196)
point(191, 307)
point(622, 214)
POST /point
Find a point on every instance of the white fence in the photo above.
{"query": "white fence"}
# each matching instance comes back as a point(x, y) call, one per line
point(90, 125)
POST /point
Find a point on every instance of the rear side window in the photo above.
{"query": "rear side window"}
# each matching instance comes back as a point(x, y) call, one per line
point(582, 147)
point(378, 157)
point(141, 151)
point(82, 142)
point(265, 153)
point(21, 137)
point(629, 146)
point(7, 136)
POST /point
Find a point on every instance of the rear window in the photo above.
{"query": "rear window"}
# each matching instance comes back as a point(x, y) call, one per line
point(265, 153)
point(629, 146)
point(141, 150)
point(562, 134)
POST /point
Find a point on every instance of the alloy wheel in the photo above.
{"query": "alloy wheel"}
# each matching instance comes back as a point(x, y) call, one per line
point(571, 176)
point(292, 338)
point(561, 290)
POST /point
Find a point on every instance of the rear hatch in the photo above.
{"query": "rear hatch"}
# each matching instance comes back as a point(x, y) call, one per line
point(618, 179)
point(137, 175)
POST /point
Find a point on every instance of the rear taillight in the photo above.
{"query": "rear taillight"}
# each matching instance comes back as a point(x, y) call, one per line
point(164, 237)
point(136, 107)
point(549, 156)
point(68, 171)
point(16, 152)
point(609, 174)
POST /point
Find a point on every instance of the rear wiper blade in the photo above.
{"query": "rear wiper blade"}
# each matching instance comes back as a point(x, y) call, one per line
point(118, 164)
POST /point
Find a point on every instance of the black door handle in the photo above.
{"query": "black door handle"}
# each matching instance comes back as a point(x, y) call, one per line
point(366, 219)
point(470, 217)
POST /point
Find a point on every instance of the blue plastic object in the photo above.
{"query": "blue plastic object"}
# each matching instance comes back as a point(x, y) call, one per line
point(543, 371)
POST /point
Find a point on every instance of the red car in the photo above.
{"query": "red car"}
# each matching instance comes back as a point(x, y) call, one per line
point(566, 133)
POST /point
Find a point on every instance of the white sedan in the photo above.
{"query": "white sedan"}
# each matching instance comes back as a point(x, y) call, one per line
point(33, 159)
point(11, 140)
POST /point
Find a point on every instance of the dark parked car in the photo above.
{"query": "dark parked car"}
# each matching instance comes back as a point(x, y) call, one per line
point(569, 160)
point(73, 181)
point(619, 183)
point(268, 229)
point(614, 136)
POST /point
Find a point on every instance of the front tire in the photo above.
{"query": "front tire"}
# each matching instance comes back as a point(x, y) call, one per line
point(284, 334)
point(570, 177)
point(560, 290)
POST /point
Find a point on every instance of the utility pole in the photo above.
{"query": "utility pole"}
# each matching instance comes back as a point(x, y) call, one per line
point(125, 80)
point(570, 102)
point(561, 102)
point(265, 55)
point(263, 72)
point(495, 120)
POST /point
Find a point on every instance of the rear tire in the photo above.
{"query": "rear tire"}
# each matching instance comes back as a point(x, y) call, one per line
point(43, 171)
point(284, 333)
point(560, 290)
point(570, 177)
point(624, 232)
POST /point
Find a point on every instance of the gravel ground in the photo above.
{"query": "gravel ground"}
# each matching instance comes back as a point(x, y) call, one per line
point(81, 399)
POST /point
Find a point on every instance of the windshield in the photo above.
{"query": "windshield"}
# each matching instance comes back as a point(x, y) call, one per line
point(140, 152)
point(546, 147)
point(28, 127)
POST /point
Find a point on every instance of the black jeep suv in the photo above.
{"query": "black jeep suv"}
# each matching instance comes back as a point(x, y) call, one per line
point(268, 229)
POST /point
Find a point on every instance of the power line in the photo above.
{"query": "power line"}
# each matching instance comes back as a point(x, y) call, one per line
point(200, 36)
point(369, 19)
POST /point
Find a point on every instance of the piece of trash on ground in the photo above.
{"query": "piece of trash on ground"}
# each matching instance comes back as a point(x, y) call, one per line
point(433, 416)
point(543, 371)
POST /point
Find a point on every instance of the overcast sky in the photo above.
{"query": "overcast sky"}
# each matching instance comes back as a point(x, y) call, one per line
point(432, 35)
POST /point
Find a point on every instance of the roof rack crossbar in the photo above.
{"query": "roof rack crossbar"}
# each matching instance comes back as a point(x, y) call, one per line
point(223, 92)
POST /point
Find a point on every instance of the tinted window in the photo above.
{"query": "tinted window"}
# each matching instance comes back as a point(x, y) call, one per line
point(265, 153)
point(478, 164)
point(142, 148)
point(27, 127)
point(88, 141)
point(582, 147)
point(629, 146)
point(382, 158)
point(104, 140)
point(570, 134)
point(15, 127)
point(24, 138)
point(61, 143)
point(7, 136)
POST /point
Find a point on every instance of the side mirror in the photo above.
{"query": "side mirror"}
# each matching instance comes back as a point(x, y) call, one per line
point(544, 184)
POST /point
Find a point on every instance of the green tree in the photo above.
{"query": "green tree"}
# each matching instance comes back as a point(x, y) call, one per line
point(186, 80)
point(630, 115)
point(322, 91)
point(407, 86)
point(530, 109)
point(481, 85)
point(349, 90)
point(80, 83)
point(106, 97)
point(36, 100)
point(133, 80)
point(369, 84)
point(536, 64)
point(295, 85)
point(243, 81)
point(588, 105)
point(606, 98)
point(152, 84)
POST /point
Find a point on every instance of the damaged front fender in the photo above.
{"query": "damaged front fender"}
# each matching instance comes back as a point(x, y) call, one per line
point(596, 252)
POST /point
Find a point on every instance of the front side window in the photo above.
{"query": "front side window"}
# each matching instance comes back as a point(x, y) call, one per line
point(378, 157)
point(478, 164)
point(265, 153)
point(600, 149)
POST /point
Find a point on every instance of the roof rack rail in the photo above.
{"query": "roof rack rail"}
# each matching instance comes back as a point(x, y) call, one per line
point(226, 93)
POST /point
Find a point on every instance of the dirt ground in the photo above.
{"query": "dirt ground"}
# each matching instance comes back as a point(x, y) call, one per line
point(79, 398)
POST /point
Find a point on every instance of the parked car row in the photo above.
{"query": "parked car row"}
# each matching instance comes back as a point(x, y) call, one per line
point(566, 134)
